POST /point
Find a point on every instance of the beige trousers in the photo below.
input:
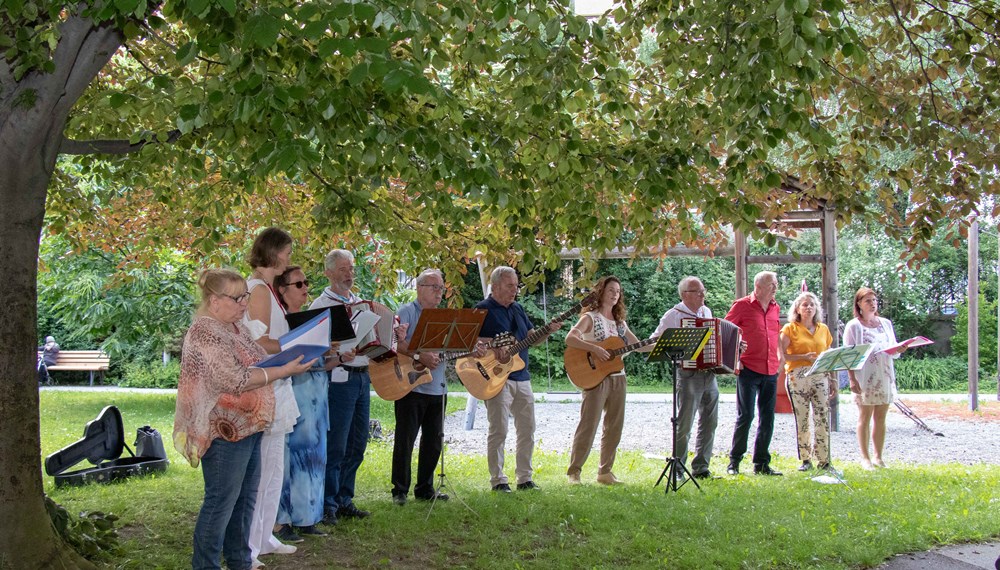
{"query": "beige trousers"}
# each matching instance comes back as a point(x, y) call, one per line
point(515, 399)
point(607, 397)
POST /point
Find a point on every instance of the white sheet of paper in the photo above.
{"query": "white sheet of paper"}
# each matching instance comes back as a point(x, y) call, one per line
point(364, 322)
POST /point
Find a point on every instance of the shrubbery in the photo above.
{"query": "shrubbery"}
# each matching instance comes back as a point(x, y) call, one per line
point(151, 374)
point(947, 374)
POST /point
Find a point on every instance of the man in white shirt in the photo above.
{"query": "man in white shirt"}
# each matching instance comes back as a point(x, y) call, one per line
point(697, 390)
point(349, 401)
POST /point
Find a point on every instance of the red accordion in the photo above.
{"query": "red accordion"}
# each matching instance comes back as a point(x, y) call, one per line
point(722, 352)
point(380, 343)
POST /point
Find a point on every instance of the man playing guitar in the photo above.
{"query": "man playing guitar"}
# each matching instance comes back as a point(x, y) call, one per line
point(421, 409)
point(504, 314)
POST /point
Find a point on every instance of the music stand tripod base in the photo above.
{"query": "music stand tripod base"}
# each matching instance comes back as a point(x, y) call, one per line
point(677, 345)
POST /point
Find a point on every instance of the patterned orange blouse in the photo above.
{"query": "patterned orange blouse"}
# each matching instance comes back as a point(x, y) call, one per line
point(212, 399)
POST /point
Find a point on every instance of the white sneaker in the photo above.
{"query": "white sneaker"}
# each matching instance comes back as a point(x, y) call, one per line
point(281, 549)
point(255, 564)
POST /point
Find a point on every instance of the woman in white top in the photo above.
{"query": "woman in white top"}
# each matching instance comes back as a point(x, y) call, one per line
point(874, 386)
point(599, 323)
point(265, 318)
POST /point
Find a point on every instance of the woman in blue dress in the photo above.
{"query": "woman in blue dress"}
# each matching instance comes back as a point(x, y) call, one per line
point(301, 506)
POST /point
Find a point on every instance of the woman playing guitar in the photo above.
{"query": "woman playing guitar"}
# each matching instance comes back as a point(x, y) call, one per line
point(599, 323)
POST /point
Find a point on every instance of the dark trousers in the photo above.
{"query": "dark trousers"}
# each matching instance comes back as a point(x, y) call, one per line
point(350, 407)
point(762, 389)
point(417, 412)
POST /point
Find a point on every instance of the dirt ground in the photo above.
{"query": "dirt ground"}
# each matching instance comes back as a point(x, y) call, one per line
point(989, 411)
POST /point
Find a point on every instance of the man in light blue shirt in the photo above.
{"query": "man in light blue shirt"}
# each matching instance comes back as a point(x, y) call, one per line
point(423, 408)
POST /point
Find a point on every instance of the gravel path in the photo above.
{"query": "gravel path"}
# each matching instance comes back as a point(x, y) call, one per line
point(647, 429)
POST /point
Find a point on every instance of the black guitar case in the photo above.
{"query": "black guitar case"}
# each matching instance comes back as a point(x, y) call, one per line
point(102, 444)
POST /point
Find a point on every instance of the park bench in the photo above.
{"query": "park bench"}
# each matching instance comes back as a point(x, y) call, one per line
point(82, 360)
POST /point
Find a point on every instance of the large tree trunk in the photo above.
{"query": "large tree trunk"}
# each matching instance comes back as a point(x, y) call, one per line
point(28, 539)
point(33, 114)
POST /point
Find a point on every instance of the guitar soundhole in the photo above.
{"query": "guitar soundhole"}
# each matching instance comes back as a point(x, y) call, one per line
point(590, 361)
point(414, 376)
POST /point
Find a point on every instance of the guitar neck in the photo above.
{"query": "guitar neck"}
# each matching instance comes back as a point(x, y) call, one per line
point(537, 333)
point(633, 346)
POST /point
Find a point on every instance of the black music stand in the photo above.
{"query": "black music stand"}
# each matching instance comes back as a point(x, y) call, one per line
point(452, 330)
point(677, 345)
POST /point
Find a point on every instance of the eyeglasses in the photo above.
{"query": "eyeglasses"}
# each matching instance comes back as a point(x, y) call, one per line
point(298, 284)
point(238, 298)
point(435, 288)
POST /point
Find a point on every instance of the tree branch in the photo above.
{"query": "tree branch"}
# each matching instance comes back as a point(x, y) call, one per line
point(111, 146)
point(920, 57)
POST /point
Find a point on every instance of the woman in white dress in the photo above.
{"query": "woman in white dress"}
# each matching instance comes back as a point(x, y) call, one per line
point(265, 318)
point(874, 385)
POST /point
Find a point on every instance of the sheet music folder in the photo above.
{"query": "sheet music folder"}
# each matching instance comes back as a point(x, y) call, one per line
point(455, 330)
point(340, 322)
point(680, 344)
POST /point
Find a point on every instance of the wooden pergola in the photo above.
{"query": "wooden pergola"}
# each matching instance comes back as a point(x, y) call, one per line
point(816, 214)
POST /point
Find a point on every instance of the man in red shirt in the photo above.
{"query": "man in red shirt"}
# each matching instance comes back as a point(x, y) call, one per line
point(757, 317)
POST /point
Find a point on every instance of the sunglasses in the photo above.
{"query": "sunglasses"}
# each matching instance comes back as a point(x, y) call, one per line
point(298, 284)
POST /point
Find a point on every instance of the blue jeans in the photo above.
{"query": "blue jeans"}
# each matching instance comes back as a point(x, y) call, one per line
point(231, 470)
point(350, 404)
point(754, 387)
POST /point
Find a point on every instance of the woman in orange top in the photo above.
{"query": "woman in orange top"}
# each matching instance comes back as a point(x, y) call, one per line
point(802, 340)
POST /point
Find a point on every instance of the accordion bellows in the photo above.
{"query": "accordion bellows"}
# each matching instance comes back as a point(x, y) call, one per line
point(722, 352)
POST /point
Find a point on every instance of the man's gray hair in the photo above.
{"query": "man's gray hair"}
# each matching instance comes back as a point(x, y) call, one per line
point(336, 255)
point(686, 282)
point(764, 275)
point(427, 273)
point(499, 272)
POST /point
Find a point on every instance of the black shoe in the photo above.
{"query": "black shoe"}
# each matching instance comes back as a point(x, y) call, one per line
point(528, 486)
point(329, 517)
point(502, 488)
point(702, 475)
point(765, 469)
point(287, 535)
point(351, 512)
point(434, 497)
point(806, 466)
point(310, 530)
point(734, 468)
point(399, 499)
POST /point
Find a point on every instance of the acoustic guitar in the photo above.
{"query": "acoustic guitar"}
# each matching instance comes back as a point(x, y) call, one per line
point(396, 377)
point(485, 377)
point(585, 371)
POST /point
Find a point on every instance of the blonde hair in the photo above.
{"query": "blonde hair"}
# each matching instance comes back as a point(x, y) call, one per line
point(214, 281)
point(793, 313)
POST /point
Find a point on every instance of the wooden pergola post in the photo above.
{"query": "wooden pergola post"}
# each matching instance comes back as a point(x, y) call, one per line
point(831, 303)
point(973, 315)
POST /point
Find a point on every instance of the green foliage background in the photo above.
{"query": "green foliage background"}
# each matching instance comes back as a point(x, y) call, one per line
point(87, 302)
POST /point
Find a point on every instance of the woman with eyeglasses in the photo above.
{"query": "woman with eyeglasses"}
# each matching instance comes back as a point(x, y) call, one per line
point(874, 386)
point(301, 506)
point(265, 318)
point(224, 403)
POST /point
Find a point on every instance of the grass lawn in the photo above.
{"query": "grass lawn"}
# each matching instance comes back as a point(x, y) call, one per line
point(744, 522)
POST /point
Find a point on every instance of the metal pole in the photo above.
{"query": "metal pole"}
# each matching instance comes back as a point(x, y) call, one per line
point(974, 315)
point(471, 404)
